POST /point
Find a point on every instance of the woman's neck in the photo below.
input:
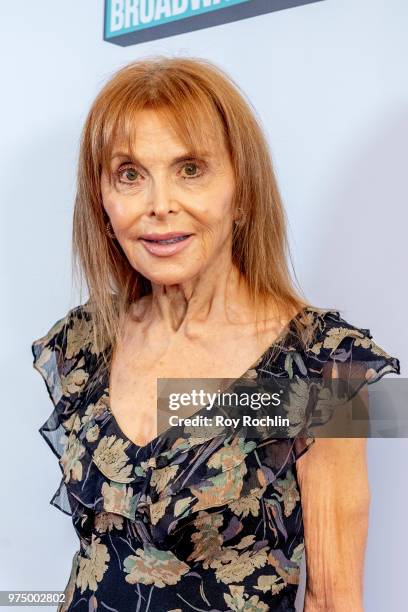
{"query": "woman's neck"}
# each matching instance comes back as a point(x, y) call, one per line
point(217, 296)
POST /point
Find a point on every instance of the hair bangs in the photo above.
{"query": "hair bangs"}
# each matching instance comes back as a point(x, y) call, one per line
point(195, 122)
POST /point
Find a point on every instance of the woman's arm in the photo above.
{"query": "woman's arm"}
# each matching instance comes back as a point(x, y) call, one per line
point(335, 499)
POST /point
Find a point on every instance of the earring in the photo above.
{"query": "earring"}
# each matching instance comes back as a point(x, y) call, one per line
point(109, 231)
point(240, 220)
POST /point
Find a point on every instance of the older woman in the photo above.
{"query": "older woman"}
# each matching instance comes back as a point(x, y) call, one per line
point(180, 233)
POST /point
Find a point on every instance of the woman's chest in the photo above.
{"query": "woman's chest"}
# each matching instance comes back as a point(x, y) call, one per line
point(138, 371)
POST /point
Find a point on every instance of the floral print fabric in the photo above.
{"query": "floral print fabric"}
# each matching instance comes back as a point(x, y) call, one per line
point(188, 524)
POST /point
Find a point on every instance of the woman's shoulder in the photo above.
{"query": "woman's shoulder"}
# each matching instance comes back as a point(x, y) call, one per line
point(67, 333)
point(63, 355)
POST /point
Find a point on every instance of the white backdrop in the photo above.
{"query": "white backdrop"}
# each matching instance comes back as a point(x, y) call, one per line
point(329, 83)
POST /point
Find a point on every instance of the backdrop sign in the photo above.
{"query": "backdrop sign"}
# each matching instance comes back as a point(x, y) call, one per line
point(128, 22)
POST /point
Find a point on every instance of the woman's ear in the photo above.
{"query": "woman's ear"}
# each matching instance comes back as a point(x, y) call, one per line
point(239, 217)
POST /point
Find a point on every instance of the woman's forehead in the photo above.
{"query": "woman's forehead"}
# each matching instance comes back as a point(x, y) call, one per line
point(148, 125)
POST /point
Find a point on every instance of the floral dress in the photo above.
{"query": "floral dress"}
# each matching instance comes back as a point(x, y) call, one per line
point(194, 524)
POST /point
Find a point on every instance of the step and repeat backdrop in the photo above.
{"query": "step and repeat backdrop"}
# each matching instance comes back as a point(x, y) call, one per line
point(327, 80)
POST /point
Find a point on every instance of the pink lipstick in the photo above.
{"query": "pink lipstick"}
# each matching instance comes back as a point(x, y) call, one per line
point(166, 244)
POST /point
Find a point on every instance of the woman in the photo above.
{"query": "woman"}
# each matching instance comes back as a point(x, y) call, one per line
point(180, 232)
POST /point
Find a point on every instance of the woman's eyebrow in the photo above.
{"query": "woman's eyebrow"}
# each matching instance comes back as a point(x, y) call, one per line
point(176, 160)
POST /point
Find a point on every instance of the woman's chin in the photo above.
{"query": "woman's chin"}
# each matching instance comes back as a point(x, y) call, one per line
point(170, 274)
point(169, 279)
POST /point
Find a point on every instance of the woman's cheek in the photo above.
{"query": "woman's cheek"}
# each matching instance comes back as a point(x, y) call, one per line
point(216, 209)
point(123, 213)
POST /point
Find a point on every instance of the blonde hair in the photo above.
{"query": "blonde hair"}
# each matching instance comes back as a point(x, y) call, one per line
point(193, 94)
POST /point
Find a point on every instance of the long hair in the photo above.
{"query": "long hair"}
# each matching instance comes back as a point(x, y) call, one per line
point(197, 98)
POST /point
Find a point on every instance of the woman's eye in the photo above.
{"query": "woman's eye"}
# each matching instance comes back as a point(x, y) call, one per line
point(127, 175)
point(191, 170)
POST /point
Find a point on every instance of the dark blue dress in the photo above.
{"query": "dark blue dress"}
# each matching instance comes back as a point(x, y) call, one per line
point(191, 524)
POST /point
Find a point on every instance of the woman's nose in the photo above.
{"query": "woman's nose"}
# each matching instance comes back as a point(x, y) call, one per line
point(161, 198)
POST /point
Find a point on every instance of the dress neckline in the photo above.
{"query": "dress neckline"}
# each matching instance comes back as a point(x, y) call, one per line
point(157, 439)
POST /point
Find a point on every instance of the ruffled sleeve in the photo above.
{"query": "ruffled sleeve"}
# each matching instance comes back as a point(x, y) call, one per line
point(349, 354)
point(60, 359)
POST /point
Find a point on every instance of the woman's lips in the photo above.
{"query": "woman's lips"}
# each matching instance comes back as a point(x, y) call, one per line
point(167, 246)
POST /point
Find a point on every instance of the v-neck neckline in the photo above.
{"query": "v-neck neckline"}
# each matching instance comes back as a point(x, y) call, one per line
point(154, 441)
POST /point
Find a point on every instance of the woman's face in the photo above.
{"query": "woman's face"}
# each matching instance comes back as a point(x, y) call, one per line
point(171, 213)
